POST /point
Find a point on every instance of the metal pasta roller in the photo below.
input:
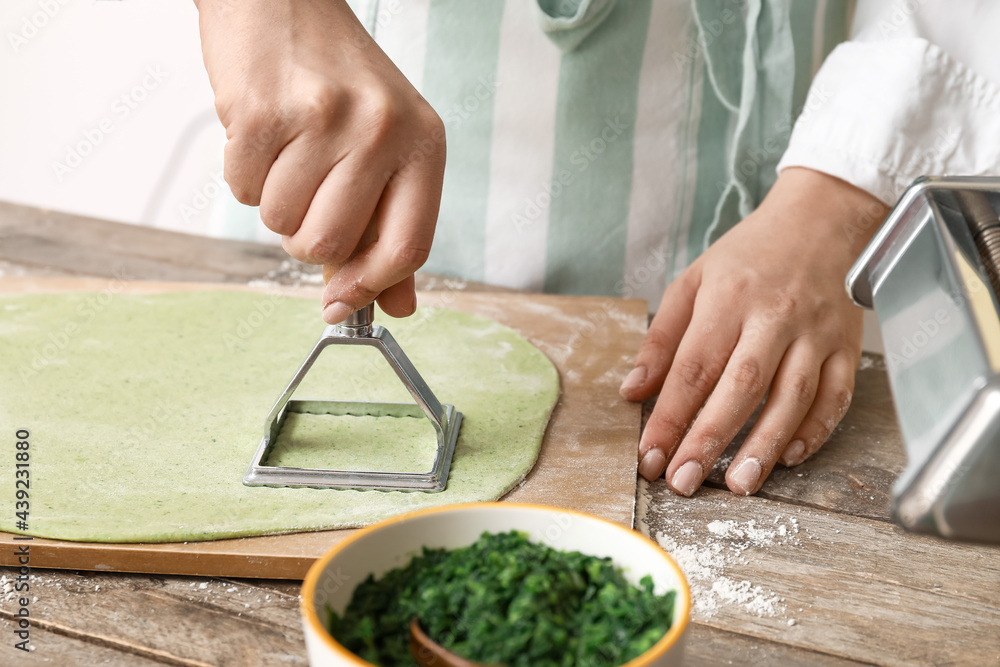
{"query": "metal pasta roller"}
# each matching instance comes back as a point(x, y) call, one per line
point(932, 274)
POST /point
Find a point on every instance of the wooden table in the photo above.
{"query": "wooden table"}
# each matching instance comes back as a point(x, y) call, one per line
point(841, 586)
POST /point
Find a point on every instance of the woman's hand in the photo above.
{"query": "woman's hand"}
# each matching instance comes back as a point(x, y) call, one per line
point(326, 135)
point(762, 311)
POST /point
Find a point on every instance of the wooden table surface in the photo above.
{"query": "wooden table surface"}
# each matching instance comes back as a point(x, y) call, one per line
point(810, 571)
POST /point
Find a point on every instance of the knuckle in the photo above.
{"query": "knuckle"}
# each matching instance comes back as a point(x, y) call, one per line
point(239, 183)
point(665, 429)
point(801, 388)
point(816, 431)
point(409, 256)
point(319, 106)
point(823, 424)
point(322, 250)
point(279, 219)
point(747, 376)
point(428, 148)
point(656, 344)
point(841, 402)
point(361, 293)
point(224, 107)
point(828, 317)
point(255, 128)
point(736, 287)
point(431, 126)
point(242, 192)
point(381, 115)
point(783, 306)
point(698, 374)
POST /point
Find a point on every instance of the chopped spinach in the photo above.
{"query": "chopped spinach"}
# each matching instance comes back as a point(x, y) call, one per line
point(505, 600)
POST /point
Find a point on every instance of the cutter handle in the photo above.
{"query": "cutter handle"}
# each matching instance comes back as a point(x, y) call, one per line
point(360, 319)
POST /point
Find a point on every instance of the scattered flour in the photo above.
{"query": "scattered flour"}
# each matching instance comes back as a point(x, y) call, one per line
point(869, 361)
point(705, 552)
point(754, 599)
point(7, 588)
point(749, 532)
point(722, 463)
point(291, 272)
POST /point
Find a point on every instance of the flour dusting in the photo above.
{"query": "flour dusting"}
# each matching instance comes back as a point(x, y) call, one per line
point(707, 552)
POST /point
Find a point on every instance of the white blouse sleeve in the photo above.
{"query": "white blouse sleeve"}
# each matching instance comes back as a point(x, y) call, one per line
point(911, 94)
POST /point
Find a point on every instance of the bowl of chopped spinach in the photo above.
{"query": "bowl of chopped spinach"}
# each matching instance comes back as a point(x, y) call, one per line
point(497, 584)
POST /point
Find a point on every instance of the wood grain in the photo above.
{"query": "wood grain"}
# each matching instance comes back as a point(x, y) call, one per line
point(870, 594)
point(73, 650)
point(39, 238)
point(44, 243)
point(592, 434)
point(116, 624)
point(174, 620)
point(713, 647)
point(859, 589)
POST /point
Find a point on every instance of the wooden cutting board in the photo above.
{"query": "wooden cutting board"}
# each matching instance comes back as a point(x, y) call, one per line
point(587, 461)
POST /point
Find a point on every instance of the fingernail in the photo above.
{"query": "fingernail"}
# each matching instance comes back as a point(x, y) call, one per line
point(633, 380)
point(687, 478)
point(643, 447)
point(794, 454)
point(746, 475)
point(336, 312)
point(653, 464)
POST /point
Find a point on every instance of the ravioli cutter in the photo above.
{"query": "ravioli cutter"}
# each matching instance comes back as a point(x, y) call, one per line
point(932, 275)
point(358, 329)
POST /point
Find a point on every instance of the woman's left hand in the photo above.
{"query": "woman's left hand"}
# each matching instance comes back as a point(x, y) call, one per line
point(762, 311)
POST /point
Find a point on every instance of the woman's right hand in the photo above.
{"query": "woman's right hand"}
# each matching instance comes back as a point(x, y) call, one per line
point(325, 135)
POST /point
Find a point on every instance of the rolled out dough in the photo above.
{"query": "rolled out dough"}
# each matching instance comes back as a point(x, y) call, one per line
point(352, 443)
point(144, 412)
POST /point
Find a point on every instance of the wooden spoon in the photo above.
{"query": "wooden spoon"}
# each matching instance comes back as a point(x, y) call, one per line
point(428, 653)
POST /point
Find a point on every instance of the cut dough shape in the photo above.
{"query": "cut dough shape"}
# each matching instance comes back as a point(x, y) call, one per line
point(144, 410)
point(342, 442)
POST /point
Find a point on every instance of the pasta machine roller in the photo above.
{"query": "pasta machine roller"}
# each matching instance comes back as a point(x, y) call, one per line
point(931, 275)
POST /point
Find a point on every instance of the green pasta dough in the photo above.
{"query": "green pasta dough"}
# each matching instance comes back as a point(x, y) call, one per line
point(145, 410)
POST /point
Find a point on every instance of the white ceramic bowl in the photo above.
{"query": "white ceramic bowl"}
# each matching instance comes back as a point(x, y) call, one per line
point(392, 543)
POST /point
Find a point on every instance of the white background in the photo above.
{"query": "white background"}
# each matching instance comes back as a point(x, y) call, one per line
point(70, 73)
